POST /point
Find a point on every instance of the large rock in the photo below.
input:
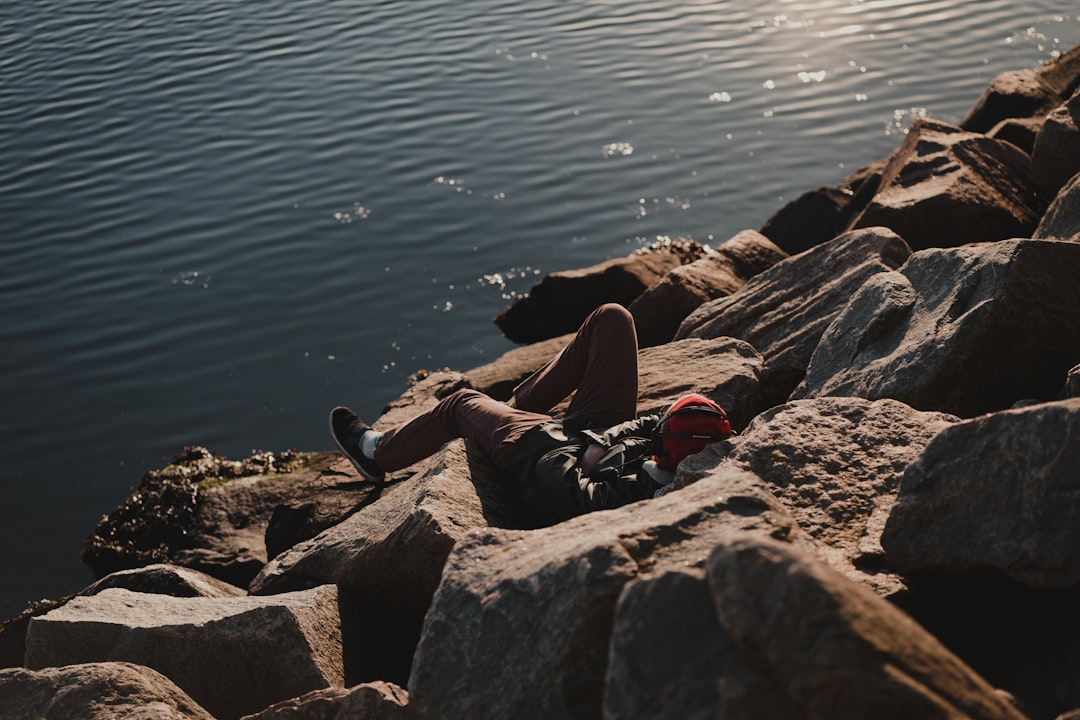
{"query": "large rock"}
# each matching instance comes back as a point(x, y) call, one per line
point(234, 656)
point(1062, 218)
point(1056, 155)
point(660, 309)
point(94, 691)
point(944, 187)
point(370, 701)
point(989, 496)
point(1012, 94)
point(165, 579)
point(388, 556)
point(204, 512)
point(963, 330)
point(522, 621)
point(725, 370)
point(560, 302)
point(828, 648)
point(835, 464)
point(783, 311)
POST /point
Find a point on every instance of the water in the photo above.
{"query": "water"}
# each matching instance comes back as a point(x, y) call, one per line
point(220, 219)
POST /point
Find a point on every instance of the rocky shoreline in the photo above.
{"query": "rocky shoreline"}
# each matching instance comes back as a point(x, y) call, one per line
point(894, 532)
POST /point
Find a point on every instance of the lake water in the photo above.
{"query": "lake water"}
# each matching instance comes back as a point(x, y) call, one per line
point(221, 218)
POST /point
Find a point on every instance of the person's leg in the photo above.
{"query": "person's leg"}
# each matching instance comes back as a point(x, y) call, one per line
point(493, 425)
point(600, 363)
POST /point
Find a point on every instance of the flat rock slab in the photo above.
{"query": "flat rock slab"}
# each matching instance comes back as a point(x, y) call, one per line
point(835, 464)
point(963, 330)
point(523, 619)
point(94, 691)
point(997, 494)
point(783, 311)
point(234, 656)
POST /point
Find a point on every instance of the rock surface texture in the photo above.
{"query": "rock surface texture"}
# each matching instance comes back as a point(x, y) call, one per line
point(94, 691)
point(370, 701)
point(783, 311)
point(962, 330)
point(234, 656)
point(1062, 219)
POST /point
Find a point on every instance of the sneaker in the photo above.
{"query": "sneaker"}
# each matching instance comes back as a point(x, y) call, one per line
point(347, 430)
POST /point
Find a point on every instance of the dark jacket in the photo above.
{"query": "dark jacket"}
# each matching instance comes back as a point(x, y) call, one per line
point(544, 467)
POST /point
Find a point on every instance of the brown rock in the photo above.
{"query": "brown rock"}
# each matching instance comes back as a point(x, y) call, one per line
point(388, 556)
point(524, 619)
point(835, 464)
point(944, 187)
point(1062, 73)
point(725, 370)
point(659, 309)
point(203, 512)
point(370, 701)
point(986, 496)
point(1055, 158)
point(1013, 94)
point(783, 311)
point(830, 647)
point(164, 579)
point(1021, 132)
point(1062, 219)
point(560, 302)
point(963, 330)
point(94, 691)
point(499, 377)
point(234, 656)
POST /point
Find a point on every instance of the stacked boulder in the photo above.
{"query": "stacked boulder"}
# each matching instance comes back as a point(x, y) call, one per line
point(892, 533)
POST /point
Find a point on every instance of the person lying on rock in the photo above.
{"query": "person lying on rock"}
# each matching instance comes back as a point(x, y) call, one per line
point(598, 456)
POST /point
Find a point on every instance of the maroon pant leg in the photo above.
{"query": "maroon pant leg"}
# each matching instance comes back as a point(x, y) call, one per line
point(494, 426)
point(600, 363)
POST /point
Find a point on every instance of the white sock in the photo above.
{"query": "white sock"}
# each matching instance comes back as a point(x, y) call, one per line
point(368, 442)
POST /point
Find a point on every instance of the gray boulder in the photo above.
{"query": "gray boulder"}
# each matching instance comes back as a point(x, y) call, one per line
point(94, 691)
point(986, 496)
point(388, 556)
point(944, 187)
point(164, 579)
point(371, 701)
point(523, 620)
point(234, 656)
point(1062, 218)
point(963, 330)
point(660, 309)
point(835, 464)
point(1056, 155)
point(560, 302)
point(819, 646)
point(783, 311)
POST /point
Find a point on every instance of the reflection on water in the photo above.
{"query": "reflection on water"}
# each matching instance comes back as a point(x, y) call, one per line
point(221, 219)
